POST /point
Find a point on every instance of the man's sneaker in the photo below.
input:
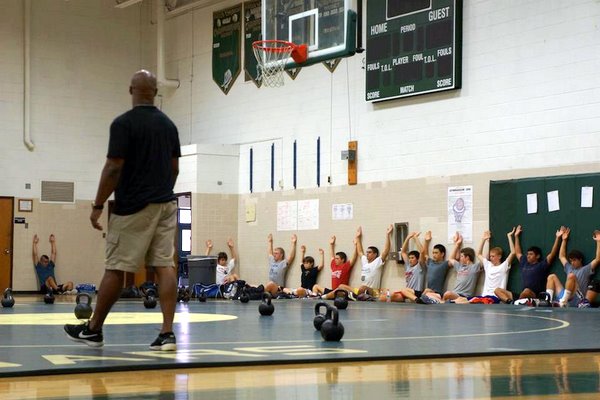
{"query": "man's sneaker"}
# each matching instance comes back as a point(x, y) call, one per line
point(429, 300)
point(563, 304)
point(584, 304)
point(81, 333)
point(165, 342)
point(351, 296)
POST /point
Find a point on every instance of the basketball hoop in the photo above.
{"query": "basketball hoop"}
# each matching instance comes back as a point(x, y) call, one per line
point(272, 56)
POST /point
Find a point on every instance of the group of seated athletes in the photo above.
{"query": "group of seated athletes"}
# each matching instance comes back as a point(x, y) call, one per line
point(425, 274)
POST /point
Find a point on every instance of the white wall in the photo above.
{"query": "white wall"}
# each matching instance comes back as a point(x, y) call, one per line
point(82, 56)
point(529, 100)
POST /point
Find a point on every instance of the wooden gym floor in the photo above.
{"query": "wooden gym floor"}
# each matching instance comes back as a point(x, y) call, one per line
point(227, 351)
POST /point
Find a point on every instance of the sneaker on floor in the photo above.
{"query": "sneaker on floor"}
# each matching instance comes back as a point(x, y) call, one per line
point(81, 333)
point(72, 291)
point(351, 296)
point(563, 304)
point(165, 342)
point(585, 303)
point(429, 300)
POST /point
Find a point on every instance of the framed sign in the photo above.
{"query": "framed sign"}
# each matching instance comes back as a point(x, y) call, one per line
point(25, 205)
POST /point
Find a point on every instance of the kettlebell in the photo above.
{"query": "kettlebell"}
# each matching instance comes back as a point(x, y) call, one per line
point(332, 329)
point(202, 297)
point(341, 299)
point(266, 308)
point(320, 318)
point(8, 300)
point(544, 300)
point(49, 298)
point(150, 299)
point(244, 298)
point(83, 309)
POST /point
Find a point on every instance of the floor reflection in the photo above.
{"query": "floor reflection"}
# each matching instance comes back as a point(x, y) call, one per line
point(536, 376)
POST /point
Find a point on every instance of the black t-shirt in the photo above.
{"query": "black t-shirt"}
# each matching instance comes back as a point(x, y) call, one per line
point(148, 141)
point(309, 277)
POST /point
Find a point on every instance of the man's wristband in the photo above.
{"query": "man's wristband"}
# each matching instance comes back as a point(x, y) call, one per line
point(97, 206)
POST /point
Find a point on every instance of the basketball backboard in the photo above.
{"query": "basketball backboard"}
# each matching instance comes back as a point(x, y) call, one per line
point(328, 27)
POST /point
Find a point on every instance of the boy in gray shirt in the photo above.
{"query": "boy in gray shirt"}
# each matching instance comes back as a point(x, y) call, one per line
point(467, 274)
point(278, 264)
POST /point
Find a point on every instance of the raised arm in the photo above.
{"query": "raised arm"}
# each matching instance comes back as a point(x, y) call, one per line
point(456, 251)
point(332, 247)
point(34, 250)
point(52, 248)
point(425, 249)
point(404, 249)
point(388, 243)
point(292, 255)
point(302, 254)
point(557, 237)
point(270, 244)
point(562, 253)
point(511, 244)
point(486, 236)
point(359, 247)
point(231, 245)
point(322, 261)
point(518, 250)
point(354, 253)
point(596, 260)
point(209, 246)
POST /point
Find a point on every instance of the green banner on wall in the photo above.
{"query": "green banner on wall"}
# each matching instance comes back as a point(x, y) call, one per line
point(226, 57)
point(252, 33)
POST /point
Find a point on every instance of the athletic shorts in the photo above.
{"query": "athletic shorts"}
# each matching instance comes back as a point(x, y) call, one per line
point(576, 297)
point(144, 238)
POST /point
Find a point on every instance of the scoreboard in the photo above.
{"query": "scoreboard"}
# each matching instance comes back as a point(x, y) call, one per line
point(413, 47)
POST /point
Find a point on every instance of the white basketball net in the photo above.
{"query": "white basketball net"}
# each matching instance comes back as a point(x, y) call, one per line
point(271, 57)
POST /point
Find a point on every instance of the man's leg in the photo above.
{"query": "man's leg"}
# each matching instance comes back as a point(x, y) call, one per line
point(553, 286)
point(450, 295)
point(108, 294)
point(167, 291)
point(504, 295)
point(409, 293)
point(51, 283)
point(527, 294)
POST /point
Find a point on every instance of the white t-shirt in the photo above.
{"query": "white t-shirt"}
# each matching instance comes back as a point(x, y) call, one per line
point(496, 276)
point(371, 272)
point(223, 271)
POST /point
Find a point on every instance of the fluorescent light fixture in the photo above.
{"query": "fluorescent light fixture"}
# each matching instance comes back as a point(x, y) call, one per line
point(127, 3)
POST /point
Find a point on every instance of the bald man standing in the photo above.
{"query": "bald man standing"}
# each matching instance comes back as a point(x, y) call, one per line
point(141, 168)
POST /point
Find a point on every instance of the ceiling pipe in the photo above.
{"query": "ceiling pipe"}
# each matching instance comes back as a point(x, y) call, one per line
point(27, 76)
point(160, 48)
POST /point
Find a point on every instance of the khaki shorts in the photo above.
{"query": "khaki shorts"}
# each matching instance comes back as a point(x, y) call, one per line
point(144, 238)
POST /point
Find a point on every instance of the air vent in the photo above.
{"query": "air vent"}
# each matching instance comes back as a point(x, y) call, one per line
point(58, 192)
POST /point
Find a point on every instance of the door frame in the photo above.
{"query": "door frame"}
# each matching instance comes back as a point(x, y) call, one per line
point(12, 238)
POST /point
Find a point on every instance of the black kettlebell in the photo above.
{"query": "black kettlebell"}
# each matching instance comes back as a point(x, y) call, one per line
point(266, 308)
point(341, 299)
point(83, 309)
point(202, 297)
point(320, 318)
point(544, 300)
point(49, 298)
point(150, 299)
point(244, 298)
point(332, 329)
point(8, 300)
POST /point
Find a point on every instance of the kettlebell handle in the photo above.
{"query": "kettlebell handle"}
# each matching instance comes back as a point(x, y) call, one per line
point(344, 294)
point(266, 297)
point(87, 296)
point(318, 307)
point(332, 314)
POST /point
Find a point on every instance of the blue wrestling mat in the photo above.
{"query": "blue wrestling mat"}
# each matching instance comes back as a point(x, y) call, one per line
point(227, 333)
